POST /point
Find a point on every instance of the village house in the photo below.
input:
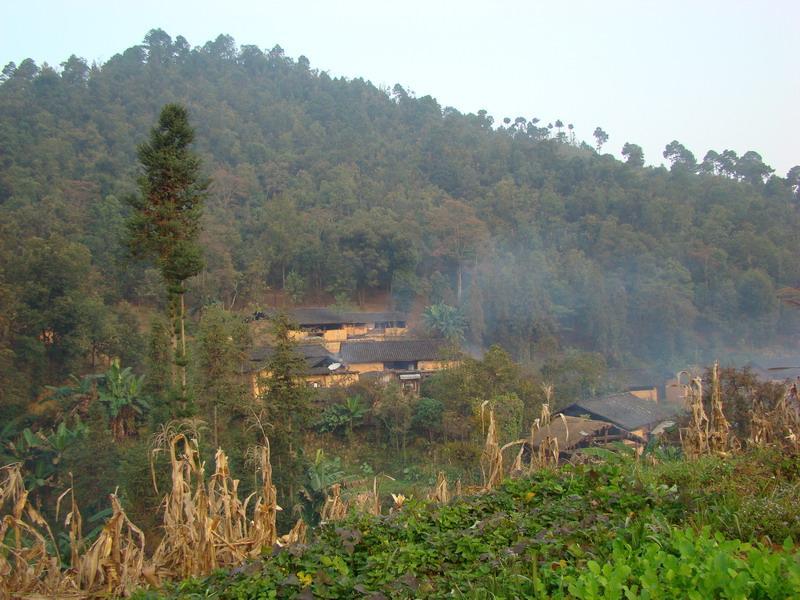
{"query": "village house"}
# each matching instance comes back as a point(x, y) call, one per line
point(323, 368)
point(405, 360)
point(333, 327)
point(637, 415)
point(776, 370)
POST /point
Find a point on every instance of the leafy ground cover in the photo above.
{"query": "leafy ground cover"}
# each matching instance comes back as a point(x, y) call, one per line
point(714, 528)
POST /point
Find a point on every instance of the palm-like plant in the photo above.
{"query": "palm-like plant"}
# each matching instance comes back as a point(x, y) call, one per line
point(446, 321)
point(322, 473)
point(121, 394)
point(355, 412)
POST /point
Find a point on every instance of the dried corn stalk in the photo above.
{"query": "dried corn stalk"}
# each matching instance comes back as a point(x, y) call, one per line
point(334, 509)
point(440, 493)
point(206, 525)
point(694, 438)
point(492, 458)
point(25, 564)
point(762, 426)
point(786, 419)
point(547, 452)
point(115, 561)
point(297, 535)
point(720, 439)
point(264, 531)
point(369, 502)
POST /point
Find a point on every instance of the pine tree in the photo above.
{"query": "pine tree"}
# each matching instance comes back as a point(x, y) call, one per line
point(167, 211)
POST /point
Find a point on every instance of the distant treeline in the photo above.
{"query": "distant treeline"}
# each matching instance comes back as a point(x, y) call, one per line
point(333, 187)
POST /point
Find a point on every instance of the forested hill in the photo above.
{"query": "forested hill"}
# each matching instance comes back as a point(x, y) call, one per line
point(334, 186)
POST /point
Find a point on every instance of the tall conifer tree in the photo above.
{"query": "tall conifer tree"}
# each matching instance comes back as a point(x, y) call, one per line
point(166, 220)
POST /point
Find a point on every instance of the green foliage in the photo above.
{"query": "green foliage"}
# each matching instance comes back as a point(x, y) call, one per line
point(508, 411)
point(295, 286)
point(166, 218)
point(165, 223)
point(334, 418)
point(607, 530)
point(42, 452)
point(320, 474)
point(223, 340)
point(445, 321)
point(121, 390)
point(360, 191)
point(286, 401)
point(342, 417)
point(428, 416)
point(462, 389)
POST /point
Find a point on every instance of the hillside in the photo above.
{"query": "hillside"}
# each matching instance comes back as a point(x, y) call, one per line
point(329, 188)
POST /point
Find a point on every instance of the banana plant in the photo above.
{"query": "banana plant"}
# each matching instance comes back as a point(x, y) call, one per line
point(355, 412)
point(121, 393)
point(41, 452)
point(321, 473)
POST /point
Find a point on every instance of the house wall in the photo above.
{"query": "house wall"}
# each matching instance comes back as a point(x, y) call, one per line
point(335, 335)
point(365, 367)
point(673, 391)
point(328, 380)
point(351, 330)
point(393, 331)
point(648, 394)
point(331, 380)
point(436, 365)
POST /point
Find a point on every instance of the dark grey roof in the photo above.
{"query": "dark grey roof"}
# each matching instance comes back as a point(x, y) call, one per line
point(317, 358)
point(390, 350)
point(327, 316)
point(776, 369)
point(625, 410)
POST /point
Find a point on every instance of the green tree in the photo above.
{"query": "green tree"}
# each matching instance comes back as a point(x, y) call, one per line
point(634, 155)
point(286, 400)
point(751, 168)
point(222, 343)
point(680, 157)
point(458, 236)
point(600, 137)
point(166, 219)
point(295, 287)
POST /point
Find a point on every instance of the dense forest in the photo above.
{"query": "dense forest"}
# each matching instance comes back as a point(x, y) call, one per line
point(333, 188)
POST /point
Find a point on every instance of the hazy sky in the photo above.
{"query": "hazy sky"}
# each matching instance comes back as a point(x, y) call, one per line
point(709, 73)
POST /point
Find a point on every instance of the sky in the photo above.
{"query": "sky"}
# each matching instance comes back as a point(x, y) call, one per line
point(712, 74)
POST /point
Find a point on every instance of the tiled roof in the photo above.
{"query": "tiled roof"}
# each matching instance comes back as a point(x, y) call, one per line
point(570, 431)
point(317, 358)
point(353, 352)
point(327, 316)
point(624, 410)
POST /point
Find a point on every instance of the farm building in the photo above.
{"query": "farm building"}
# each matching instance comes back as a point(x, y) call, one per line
point(573, 433)
point(627, 411)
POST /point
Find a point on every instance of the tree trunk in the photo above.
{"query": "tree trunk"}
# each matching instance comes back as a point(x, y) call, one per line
point(459, 277)
point(183, 344)
point(216, 427)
